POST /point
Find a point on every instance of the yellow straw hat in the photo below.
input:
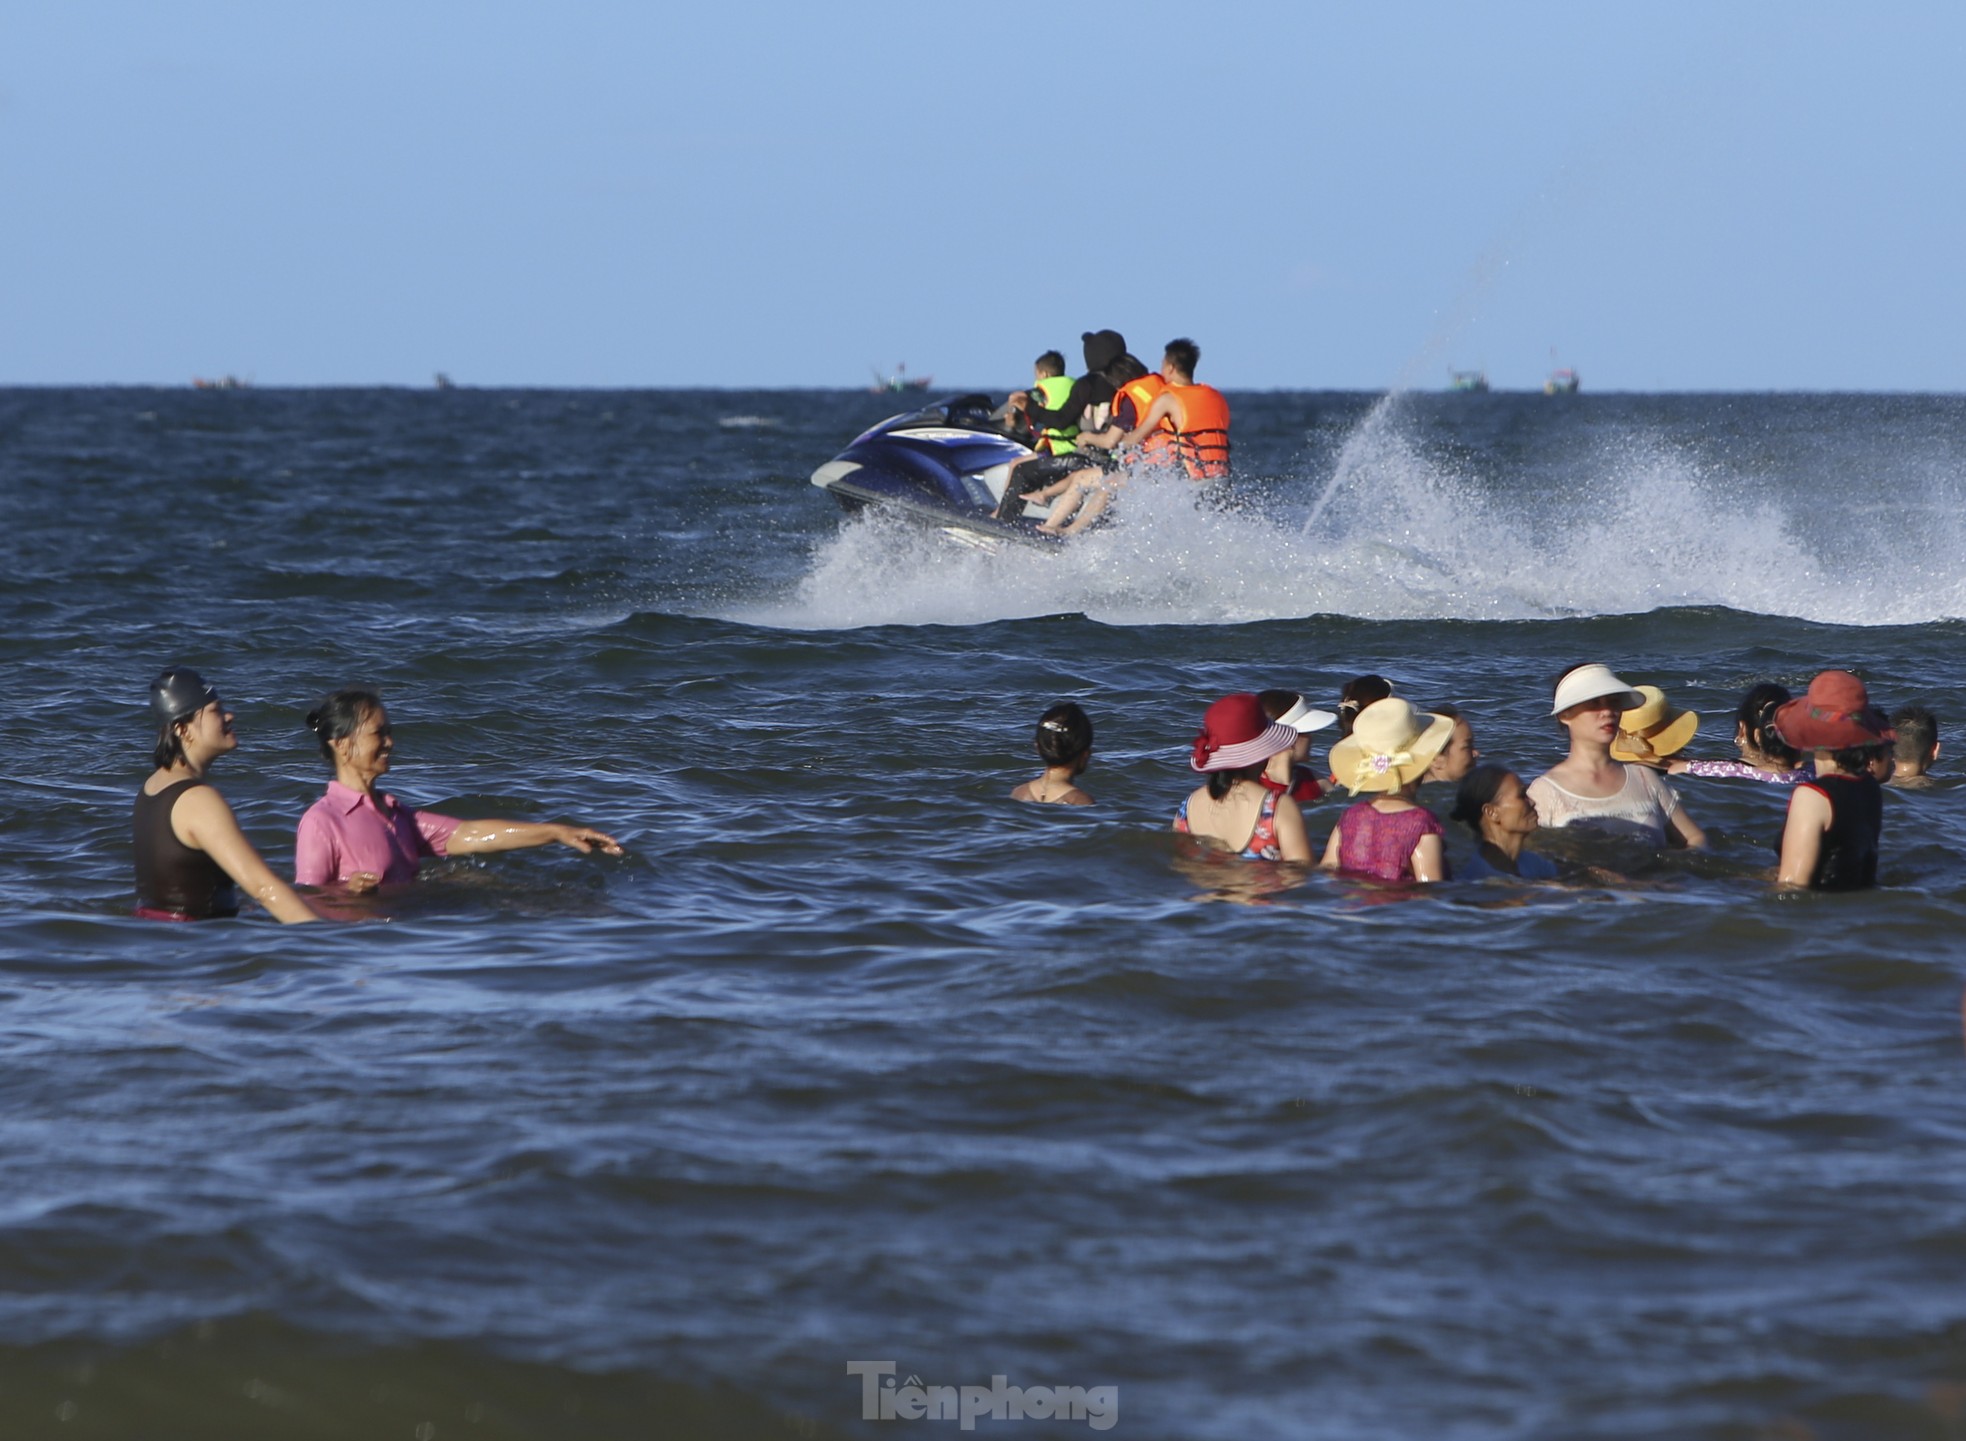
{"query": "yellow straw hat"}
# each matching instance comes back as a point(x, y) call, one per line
point(1390, 747)
point(1663, 728)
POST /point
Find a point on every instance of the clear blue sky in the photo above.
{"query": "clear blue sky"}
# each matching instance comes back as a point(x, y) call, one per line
point(1672, 196)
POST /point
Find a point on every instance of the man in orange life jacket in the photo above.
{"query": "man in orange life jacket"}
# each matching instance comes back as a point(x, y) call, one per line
point(1186, 423)
point(1083, 405)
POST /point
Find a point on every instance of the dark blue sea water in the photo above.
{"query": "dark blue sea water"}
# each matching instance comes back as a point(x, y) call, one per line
point(851, 1059)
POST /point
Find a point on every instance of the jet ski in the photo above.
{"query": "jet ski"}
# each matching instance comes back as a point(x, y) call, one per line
point(945, 465)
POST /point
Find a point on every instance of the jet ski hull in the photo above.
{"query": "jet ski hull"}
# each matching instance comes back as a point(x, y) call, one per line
point(945, 465)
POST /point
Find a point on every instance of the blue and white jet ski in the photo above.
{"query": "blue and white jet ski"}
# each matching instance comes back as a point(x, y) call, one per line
point(945, 465)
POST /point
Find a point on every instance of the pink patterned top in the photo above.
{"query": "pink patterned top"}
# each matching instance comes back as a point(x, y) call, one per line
point(1372, 843)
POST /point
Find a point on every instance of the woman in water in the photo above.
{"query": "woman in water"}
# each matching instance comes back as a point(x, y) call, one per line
point(1235, 809)
point(1286, 773)
point(1459, 755)
point(190, 852)
point(1765, 756)
point(1835, 818)
point(360, 838)
point(1588, 787)
point(1358, 693)
point(1494, 804)
point(1064, 743)
point(1391, 836)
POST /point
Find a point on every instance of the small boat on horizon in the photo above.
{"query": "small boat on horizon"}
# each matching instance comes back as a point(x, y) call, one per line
point(898, 383)
point(1562, 381)
point(1471, 382)
point(224, 382)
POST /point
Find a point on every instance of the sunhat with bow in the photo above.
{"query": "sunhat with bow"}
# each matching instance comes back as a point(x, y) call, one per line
point(1235, 733)
point(1390, 747)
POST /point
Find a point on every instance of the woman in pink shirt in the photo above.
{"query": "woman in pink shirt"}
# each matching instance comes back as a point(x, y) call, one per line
point(360, 838)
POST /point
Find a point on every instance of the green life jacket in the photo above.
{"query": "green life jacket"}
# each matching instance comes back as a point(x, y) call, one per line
point(1054, 389)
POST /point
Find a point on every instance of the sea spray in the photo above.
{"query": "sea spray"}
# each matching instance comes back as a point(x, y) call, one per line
point(1408, 524)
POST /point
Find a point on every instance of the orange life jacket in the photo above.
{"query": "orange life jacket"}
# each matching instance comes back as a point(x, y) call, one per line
point(1202, 423)
point(1159, 442)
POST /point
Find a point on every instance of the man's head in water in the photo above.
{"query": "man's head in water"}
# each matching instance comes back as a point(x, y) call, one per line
point(1917, 743)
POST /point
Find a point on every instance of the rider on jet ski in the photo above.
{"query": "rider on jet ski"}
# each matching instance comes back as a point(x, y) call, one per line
point(1086, 400)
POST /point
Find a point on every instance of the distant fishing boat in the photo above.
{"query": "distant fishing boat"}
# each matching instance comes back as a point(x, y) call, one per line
point(1474, 382)
point(899, 382)
point(224, 382)
point(1562, 381)
point(443, 381)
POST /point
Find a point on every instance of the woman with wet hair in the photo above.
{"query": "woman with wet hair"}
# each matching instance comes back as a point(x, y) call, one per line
point(1765, 756)
point(357, 837)
point(1064, 743)
point(1494, 804)
point(192, 859)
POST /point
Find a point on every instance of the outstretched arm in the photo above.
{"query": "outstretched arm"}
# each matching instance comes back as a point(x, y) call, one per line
point(472, 837)
point(202, 820)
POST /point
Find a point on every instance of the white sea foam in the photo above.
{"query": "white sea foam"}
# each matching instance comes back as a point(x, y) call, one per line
point(1395, 533)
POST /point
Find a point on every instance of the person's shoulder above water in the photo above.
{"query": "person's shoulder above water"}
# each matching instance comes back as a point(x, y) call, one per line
point(1066, 795)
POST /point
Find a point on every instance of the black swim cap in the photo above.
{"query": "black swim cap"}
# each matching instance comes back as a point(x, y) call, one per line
point(179, 693)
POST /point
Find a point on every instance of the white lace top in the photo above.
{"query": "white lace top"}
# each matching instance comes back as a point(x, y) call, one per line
point(1640, 809)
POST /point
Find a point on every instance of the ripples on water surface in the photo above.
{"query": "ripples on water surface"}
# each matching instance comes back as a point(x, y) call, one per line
point(852, 1059)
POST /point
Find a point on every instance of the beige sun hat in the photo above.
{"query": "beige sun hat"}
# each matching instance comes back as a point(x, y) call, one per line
point(1657, 723)
point(1390, 747)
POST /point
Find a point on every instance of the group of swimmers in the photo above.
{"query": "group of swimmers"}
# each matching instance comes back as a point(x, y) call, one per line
point(192, 860)
point(1117, 414)
point(1830, 746)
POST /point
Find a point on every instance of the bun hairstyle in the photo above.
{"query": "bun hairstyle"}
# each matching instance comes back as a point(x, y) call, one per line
point(1064, 735)
point(1357, 695)
point(1756, 717)
point(1478, 791)
point(340, 716)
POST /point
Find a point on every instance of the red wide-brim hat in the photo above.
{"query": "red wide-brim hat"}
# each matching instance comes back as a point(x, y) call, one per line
point(1834, 714)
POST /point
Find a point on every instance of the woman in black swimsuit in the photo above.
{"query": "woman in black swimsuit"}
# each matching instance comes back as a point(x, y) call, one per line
point(190, 852)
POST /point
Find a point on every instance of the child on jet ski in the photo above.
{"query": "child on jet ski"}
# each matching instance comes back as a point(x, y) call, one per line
point(1084, 405)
